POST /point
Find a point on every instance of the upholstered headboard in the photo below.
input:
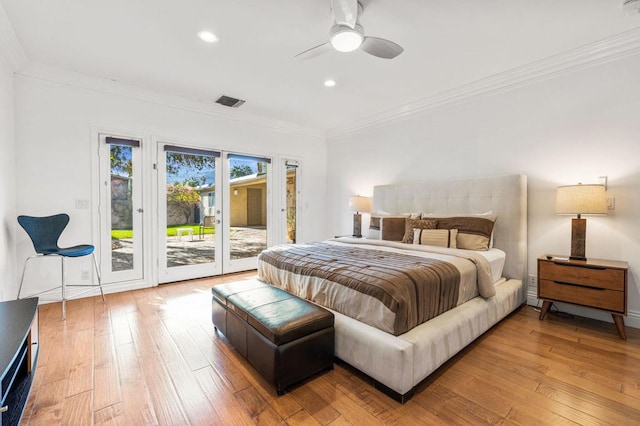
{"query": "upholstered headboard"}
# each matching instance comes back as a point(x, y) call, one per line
point(504, 195)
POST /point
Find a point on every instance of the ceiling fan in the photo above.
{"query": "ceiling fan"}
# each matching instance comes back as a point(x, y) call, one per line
point(347, 35)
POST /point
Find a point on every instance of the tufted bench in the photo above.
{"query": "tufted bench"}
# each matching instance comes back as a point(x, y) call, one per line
point(287, 339)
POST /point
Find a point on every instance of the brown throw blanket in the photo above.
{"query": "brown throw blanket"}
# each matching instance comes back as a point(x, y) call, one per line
point(414, 288)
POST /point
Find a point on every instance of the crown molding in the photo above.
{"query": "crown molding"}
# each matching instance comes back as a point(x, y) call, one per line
point(590, 55)
point(593, 54)
point(9, 44)
point(42, 72)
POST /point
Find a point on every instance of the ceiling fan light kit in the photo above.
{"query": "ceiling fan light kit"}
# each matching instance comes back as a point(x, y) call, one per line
point(346, 39)
point(347, 35)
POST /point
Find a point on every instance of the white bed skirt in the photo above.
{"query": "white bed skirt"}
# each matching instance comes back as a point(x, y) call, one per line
point(402, 362)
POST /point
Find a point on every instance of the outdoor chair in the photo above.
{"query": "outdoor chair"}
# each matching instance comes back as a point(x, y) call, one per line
point(206, 222)
point(44, 233)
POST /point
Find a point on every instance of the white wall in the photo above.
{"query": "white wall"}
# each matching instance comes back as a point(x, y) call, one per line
point(7, 185)
point(570, 129)
point(54, 122)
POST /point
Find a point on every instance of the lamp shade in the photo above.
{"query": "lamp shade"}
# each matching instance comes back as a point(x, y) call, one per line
point(581, 199)
point(359, 203)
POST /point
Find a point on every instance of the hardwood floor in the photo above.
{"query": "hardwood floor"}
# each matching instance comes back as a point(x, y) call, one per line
point(152, 357)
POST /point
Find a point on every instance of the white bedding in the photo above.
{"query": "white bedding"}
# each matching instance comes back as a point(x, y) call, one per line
point(496, 259)
point(494, 256)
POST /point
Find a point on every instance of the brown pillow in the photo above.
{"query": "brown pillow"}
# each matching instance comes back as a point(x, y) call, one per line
point(392, 228)
point(378, 222)
point(412, 224)
point(474, 231)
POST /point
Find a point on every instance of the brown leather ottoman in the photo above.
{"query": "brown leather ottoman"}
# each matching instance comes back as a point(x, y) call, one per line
point(287, 339)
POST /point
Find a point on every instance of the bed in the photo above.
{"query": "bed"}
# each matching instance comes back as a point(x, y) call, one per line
point(410, 350)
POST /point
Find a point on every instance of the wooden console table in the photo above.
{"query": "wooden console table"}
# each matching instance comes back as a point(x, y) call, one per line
point(18, 356)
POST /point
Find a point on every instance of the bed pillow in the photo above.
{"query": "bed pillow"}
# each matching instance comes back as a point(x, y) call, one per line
point(413, 215)
point(393, 228)
point(474, 230)
point(412, 224)
point(435, 237)
point(375, 224)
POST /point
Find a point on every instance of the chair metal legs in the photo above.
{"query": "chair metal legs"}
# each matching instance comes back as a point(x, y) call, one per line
point(64, 293)
point(24, 269)
point(63, 286)
point(95, 263)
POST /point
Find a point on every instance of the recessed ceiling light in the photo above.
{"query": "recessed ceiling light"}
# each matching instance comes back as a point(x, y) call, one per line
point(208, 36)
point(329, 83)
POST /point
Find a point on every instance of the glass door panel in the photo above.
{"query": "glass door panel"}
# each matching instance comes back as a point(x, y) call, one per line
point(121, 222)
point(190, 241)
point(247, 182)
point(291, 200)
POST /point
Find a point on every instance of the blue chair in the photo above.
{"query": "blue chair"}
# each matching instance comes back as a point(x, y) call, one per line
point(44, 233)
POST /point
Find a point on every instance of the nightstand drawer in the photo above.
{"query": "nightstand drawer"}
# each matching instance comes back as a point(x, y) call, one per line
point(598, 277)
point(610, 300)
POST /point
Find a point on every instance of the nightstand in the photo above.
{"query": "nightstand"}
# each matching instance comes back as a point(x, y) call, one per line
point(594, 283)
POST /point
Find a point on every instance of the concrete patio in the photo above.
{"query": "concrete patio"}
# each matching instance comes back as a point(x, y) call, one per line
point(244, 242)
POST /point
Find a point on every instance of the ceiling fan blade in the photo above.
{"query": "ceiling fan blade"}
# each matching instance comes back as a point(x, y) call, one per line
point(381, 48)
point(314, 51)
point(345, 12)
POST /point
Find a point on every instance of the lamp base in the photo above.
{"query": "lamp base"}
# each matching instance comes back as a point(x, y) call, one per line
point(578, 238)
point(357, 225)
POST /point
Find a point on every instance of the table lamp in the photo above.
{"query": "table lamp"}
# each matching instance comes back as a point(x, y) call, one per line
point(359, 204)
point(580, 199)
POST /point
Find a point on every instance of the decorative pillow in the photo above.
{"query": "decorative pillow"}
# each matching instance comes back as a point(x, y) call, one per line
point(392, 228)
point(412, 224)
point(375, 221)
point(413, 215)
point(376, 225)
point(435, 237)
point(474, 230)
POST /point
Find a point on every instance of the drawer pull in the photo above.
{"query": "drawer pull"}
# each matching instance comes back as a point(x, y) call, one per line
point(571, 265)
point(579, 285)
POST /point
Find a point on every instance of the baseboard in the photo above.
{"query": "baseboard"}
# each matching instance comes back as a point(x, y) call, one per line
point(78, 292)
point(631, 320)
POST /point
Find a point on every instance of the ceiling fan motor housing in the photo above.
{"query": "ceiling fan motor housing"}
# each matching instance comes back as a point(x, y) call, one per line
point(631, 7)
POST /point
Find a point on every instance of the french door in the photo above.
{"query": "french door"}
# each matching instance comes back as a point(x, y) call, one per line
point(291, 199)
point(246, 198)
point(212, 211)
point(188, 208)
point(120, 208)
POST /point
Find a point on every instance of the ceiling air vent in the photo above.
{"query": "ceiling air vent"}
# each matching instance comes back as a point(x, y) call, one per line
point(229, 101)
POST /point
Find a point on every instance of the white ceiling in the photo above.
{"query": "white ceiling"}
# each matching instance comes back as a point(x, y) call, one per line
point(152, 44)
